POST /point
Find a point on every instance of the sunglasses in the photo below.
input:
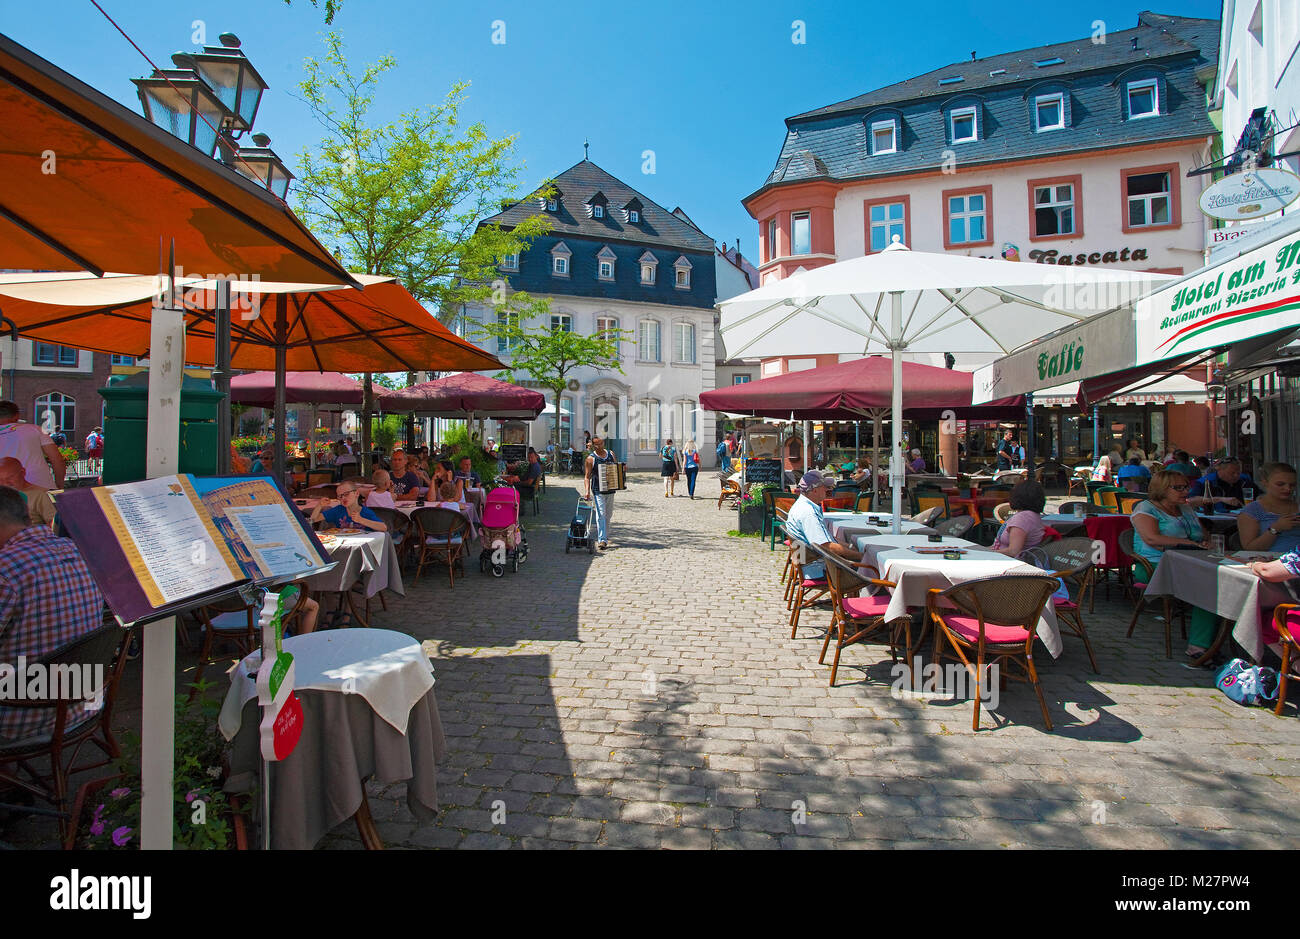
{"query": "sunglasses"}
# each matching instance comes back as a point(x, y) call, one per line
point(1178, 488)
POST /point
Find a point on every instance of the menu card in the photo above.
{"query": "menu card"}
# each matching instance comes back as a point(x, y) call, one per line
point(168, 544)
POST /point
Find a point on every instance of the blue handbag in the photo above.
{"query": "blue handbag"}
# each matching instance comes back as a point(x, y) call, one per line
point(1247, 684)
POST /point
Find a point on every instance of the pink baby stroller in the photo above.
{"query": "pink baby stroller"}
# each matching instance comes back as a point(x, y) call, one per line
point(502, 535)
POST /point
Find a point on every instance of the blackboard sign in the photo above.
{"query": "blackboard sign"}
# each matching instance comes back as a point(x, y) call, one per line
point(513, 452)
point(767, 472)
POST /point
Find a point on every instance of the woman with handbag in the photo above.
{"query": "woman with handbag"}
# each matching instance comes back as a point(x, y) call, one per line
point(691, 465)
point(668, 454)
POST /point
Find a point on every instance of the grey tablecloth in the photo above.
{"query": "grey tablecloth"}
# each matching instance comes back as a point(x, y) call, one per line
point(1223, 586)
point(369, 558)
point(343, 742)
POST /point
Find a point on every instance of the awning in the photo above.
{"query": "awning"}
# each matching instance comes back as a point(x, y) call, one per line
point(257, 389)
point(86, 184)
point(456, 396)
point(1170, 389)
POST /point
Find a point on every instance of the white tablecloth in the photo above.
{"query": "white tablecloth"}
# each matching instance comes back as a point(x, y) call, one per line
point(1224, 586)
point(916, 573)
point(388, 669)
point(366, 556)
point(843, 525)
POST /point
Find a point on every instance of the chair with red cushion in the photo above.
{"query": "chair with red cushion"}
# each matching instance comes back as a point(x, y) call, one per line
point(1107, 529)
point(992, 620)
point(855, 618)
point(1071, 560)
point(1139, 593)
point(802, 591)
point(1286, 619)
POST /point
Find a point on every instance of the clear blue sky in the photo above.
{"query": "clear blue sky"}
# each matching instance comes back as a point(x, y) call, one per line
point(705, 85)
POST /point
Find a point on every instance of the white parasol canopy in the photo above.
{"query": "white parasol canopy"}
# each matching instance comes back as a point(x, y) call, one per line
point(901, 301)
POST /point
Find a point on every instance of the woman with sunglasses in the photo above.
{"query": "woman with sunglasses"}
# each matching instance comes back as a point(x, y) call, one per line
point(1166, 520)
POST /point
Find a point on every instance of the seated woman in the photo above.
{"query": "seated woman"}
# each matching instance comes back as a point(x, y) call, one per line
point(1272, 521)
point(1165, 520)
point(381, 497)
point(420, 467)
point(444, 472)
point(346, 511)
point(1025, 528)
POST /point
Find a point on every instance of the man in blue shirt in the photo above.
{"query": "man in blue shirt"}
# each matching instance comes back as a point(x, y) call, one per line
point(346, 511)
point(1227, 485)
point(466, 472)
point(806, 523)
point(1135, 471)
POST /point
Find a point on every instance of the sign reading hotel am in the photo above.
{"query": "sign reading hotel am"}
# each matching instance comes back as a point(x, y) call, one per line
point(1254, 294)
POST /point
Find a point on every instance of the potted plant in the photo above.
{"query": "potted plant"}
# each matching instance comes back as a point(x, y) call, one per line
point(751, 509)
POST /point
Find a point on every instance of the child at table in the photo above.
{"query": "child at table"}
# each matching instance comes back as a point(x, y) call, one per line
point(346, 512)
point(381, 497)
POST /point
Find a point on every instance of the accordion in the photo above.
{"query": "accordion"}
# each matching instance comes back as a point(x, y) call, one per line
point(610, 477)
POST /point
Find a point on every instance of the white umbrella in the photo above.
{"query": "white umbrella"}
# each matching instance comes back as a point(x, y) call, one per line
point(900, 301)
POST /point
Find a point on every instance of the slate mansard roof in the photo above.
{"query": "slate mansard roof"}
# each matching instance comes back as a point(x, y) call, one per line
point(832, 143)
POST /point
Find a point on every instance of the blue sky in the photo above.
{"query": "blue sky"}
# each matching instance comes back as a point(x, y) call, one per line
point(705, 85)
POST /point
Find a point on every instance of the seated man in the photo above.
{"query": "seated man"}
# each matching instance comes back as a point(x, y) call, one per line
point(467, 475)
point(40, 509)
point(806, 523)
point(1133, 476)
point(526, 481)
point(406, 484)
point(48, 598)
point(1227, 484)
point(917, 465)
point(346, 511)
point(1182, 464)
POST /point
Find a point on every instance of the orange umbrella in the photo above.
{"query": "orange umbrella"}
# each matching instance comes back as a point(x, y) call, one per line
point(86, 184)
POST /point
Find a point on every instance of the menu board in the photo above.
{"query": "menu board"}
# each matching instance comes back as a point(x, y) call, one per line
point(764, 471)
point(168, 544)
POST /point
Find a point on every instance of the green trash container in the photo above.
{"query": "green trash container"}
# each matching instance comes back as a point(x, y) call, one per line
point(126, 407)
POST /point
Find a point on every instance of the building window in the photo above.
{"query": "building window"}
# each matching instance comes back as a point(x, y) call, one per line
point(116, 359)
point(682, 269)
point(1150, 197)
point(634, 216)
point(566, 421)
point(883, 138)
point(505, 343)
point(647, 419)
point(509, 262)
point(1056, 208)
point(683, 426)
point(61, 408)
point(968, 217)
point(886, 218)
point(606, 270)
point(1143, 99)
point(683, 277)
point(43, 353)
point(771, 239)
point(961, 125)
point(552, 205)
point(607, 328)
point(597, 211)
point(800, 233)
point(1049, 112)
point(741, 379)
point(647, 273)
point(684, 343)
point(561, 266)
point(648, 344)
point(561, 322)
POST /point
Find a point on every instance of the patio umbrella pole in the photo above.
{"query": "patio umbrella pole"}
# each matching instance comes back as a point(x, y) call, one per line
point(875, 460)
point(311, 437)
point(281, 363)
point(896, 425)
point(222, 373)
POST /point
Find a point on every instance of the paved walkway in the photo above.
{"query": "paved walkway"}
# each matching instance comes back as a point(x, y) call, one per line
point(651, 697)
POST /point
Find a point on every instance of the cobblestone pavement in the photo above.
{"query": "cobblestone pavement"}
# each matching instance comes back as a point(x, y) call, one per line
point(652, 697)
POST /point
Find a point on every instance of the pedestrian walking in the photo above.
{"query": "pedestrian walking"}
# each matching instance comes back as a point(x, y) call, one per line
point(668, 469)
point(691, 464)
point(724, 456)
point(604, 500)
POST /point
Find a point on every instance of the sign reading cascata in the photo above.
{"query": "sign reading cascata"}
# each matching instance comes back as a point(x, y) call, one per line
point(1250, 195)
point(1254, 294)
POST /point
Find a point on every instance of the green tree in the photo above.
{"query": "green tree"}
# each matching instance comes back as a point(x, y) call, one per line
point(332, 8)
point(547, 355)
point(403, 197)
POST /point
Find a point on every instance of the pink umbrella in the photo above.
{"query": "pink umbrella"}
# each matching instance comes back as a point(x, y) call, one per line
point(463, 395)
point(258, 388)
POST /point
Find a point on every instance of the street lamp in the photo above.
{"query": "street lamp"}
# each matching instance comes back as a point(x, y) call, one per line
point(182, 104)
point(259, 164)
point(227, 70)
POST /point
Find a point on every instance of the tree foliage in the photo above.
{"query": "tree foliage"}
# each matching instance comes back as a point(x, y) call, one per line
point(547, 355)
point(403, 197)
point(332, 8)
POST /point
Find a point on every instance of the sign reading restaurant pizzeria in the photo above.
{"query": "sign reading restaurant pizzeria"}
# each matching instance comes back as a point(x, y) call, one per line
point(1254, 294)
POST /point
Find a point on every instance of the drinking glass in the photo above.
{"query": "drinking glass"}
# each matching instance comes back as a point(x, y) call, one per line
point(1248, 494)
point(1216, 546)
point(1079, 510)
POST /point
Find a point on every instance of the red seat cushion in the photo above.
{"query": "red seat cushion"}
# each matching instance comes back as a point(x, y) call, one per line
point(819, 582)
point(968, 628)
point(1066, 605)
point(866, 607)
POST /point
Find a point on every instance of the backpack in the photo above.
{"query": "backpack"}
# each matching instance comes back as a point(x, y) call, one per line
point(1247, 684)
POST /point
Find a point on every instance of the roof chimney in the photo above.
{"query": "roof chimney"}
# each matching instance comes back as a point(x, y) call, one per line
point(1135, 43)
point(972, 55)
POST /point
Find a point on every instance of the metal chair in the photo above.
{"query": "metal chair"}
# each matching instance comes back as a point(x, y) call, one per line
point(855, 618)
point(1139, 593)
point(925, 498)
point(956, 526)
point(441, 535)
point(864, 498)
point(996, 618)
point(98, 653)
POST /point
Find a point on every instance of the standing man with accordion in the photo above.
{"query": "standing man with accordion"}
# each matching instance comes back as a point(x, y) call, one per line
point(609, 478)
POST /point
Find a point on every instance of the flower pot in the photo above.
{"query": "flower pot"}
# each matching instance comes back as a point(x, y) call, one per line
point(751, 519)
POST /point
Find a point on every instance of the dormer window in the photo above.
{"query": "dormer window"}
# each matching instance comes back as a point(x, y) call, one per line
point(605, 264)
point(597, 211)
point(560, 256)
point(649, 268)
point(1143, 99)
point(682, 270)
point(509, 262)
point(632, 211)
point(1049, 112)
point(884, 138)
point(552, 205)
point(962, 127)
point(633, 216)
point(597, 206)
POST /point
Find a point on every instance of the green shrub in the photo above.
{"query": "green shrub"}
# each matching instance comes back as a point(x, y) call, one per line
point(463, 445)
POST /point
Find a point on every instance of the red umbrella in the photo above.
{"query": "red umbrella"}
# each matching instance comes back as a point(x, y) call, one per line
point(456, 396)
point(850, 390)
point(258, 389)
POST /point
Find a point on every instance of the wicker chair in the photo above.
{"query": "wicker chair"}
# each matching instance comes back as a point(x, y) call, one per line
point(856, 618)
point(1139, 594)
point(956, 526)
point(996, 619)
point(22, 763)
point(320, 478)
point(1079, 481)
point(731, 491)
point(1071, 560)
point(320, 492)
point(1002, 511)
point(1285, 616)
point(929, 516)
point(400, 529)
point(802, 591)
point(441, 536)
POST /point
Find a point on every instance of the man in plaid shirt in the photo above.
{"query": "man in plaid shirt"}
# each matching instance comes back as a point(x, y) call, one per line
point(47, 599)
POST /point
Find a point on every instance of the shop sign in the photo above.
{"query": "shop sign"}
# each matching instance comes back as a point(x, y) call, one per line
point(1250, 195)
point(1251, 295)
point(1122, 256)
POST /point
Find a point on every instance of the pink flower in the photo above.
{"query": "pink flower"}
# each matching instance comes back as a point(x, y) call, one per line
point(97, 827)
point(191, 795)
point(119, 792)
point(99, 810)
point(121, 836)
